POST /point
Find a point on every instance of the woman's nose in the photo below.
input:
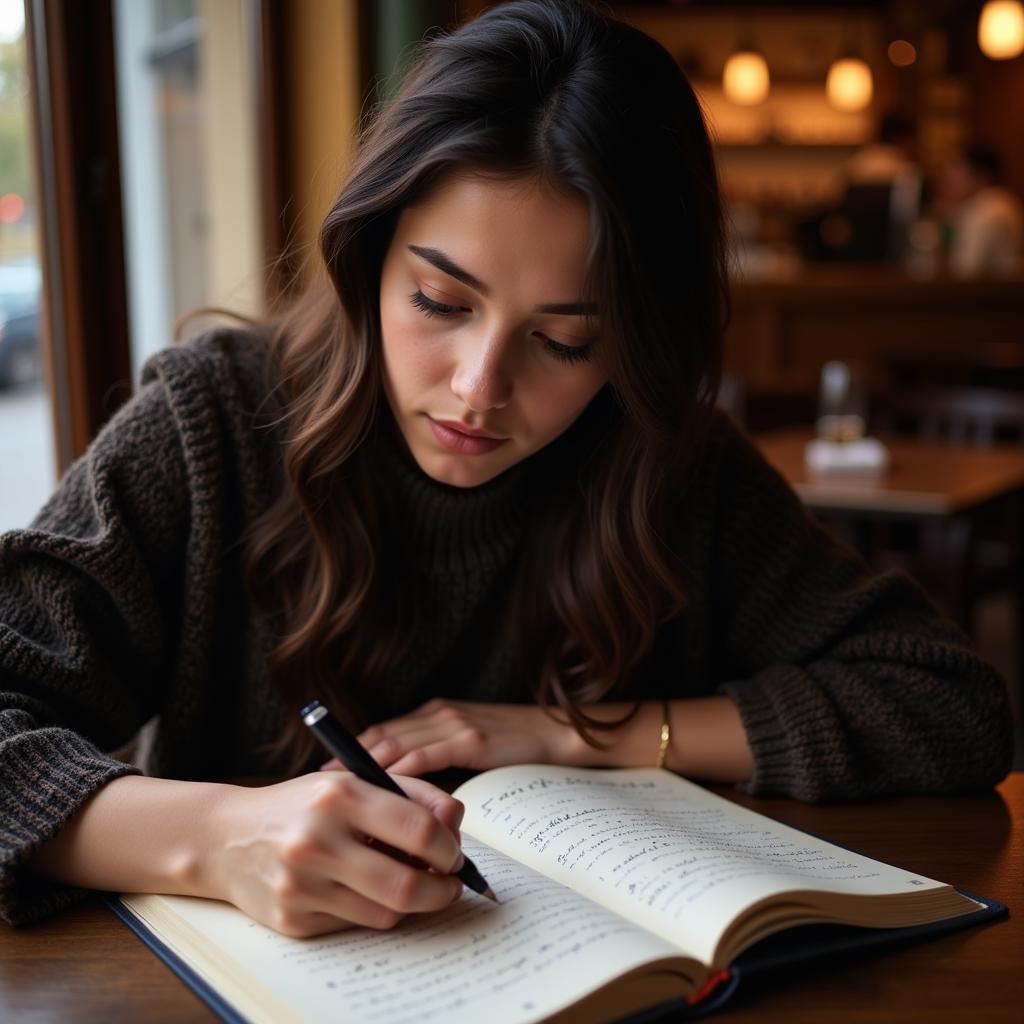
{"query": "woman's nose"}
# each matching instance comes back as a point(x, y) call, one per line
point(484, 377)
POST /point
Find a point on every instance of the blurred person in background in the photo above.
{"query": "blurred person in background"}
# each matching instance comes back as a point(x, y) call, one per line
point(984, 219)
point(889, 166)
point(883, 188)
point(889, 157)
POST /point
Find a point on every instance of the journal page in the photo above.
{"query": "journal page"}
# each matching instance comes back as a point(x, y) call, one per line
point(540, 950)
point(667, 854)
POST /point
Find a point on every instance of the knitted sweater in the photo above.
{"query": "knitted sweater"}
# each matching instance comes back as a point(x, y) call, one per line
point(124, 603)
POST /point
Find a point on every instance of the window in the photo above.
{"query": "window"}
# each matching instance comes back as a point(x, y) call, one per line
point(26, 435)
point(187, 74)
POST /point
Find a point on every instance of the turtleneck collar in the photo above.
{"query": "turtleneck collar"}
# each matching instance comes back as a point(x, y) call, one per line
point(449, 529)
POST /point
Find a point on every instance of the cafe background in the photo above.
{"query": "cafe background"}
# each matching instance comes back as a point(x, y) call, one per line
point(161, 155)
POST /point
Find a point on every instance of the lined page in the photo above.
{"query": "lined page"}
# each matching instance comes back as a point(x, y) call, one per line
point(663, 852)
point(538, 951)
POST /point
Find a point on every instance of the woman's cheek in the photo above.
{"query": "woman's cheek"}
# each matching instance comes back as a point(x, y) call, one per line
point(559, 403)
point(416, 353)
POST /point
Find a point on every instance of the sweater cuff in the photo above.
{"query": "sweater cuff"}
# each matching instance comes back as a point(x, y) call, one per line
point(791, 728)
point(48, 774)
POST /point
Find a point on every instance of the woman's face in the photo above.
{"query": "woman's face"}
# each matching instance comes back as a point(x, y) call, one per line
point(481, 315)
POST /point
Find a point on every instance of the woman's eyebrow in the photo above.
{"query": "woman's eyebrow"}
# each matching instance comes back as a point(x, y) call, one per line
point(447, 265)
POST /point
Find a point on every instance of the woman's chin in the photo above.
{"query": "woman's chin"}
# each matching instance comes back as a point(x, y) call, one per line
point(461, 470)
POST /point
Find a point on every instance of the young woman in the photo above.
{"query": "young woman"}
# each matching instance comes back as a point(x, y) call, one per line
point(472, 494)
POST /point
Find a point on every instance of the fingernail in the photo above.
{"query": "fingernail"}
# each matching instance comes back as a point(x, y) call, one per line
point(459, 863)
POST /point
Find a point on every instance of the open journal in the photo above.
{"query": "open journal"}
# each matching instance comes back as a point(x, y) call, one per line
point(620, 891)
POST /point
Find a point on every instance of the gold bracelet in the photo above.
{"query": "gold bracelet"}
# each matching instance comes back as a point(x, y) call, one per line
point(666, 734)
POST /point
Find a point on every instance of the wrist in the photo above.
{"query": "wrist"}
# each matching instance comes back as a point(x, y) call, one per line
point(563, 743)
point(633, 744)
point(194, 865)
point(574, 749)
point(706, 739)
point(138, 834)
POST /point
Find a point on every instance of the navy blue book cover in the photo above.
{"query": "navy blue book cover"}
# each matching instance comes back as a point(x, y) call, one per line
point(795, 947)
point(798, 948)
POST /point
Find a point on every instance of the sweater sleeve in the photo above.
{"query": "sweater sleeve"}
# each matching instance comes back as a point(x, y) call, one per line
point(88, 599)
point(849, 684)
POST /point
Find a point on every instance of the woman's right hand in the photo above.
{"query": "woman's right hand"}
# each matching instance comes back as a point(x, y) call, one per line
point(295, 855)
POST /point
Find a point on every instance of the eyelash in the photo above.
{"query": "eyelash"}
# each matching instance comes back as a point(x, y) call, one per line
point(565, 353)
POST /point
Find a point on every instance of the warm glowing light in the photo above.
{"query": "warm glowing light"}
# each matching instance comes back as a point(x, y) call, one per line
point(901, 53)
point(1001, 29)
point(745, 78)
point(12, 206)
point(849, 85)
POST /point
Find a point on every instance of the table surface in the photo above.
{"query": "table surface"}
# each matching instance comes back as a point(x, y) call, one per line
point(86, 966)
point(923, 478)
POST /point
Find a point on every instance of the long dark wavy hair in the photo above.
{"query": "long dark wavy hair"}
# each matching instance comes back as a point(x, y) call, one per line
point(555, 90)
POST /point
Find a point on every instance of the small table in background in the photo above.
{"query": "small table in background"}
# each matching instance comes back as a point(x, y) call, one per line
point(924, 481)
point(949, 487)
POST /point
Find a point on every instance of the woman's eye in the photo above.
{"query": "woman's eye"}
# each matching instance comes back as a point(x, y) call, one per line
point(564, 353)
point(567, 353)
point(430, 307)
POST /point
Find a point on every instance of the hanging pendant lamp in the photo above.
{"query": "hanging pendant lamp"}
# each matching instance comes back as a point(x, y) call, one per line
point(745, 79)
point(849, 85)
point(1001, 29)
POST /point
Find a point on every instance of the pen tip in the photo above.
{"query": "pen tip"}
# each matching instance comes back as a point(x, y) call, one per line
point(489, 893)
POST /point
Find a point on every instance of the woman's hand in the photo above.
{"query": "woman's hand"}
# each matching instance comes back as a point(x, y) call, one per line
point(465, 734)
point(295, 856)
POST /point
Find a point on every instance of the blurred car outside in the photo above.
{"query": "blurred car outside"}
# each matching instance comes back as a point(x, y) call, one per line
point(20, 360)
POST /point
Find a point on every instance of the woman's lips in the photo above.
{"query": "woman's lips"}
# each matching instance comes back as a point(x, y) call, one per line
point(466, 444)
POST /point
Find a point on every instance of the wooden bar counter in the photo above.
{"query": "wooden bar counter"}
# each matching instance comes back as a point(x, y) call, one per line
point(784, 328)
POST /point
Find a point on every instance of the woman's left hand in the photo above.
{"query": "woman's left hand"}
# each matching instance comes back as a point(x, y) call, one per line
point(466, 734)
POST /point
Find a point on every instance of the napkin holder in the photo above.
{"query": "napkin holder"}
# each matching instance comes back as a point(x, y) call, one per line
point(866, 455)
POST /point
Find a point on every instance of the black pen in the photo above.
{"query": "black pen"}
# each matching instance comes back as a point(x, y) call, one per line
point(354, 756)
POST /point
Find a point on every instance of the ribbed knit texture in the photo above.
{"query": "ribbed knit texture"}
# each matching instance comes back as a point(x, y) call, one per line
point(125, 603)
point(457, 552)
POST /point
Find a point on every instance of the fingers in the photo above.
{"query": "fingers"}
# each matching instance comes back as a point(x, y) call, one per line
point(368, 880)
point(462, 750)
point(330, 908)
point(389, 740)
point(295, 855)
point(437, 717)
point(407, 825)
point(394, 751)
point(340, 901)
point(441, 804)
point(392, 744)
point(401, 888)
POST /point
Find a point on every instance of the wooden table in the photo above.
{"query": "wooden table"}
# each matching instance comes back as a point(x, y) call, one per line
point(952, 490)
point(924, 480)
point(85, 966)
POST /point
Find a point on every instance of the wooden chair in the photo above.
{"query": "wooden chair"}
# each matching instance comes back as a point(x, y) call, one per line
point(973, 556)
point(997, 365)
point(978, 416)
